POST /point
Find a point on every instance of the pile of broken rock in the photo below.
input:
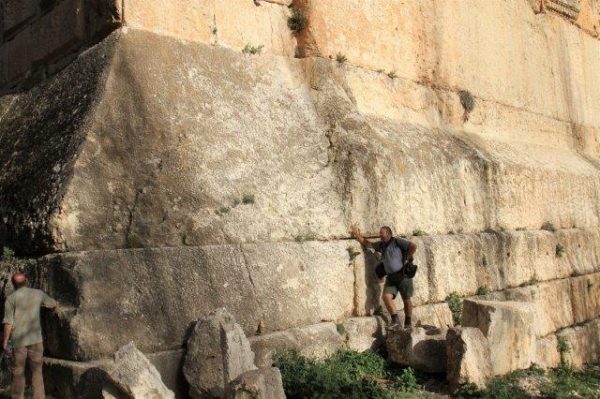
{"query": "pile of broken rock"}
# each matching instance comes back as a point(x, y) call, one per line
point(218, 364)
point(496, 337)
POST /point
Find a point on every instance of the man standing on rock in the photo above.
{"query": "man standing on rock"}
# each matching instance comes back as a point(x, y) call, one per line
point(392, 250)
point(22, 321)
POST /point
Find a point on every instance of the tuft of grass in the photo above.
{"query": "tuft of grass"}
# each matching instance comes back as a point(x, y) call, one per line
point(222, 210)
point(548, 227)
point(419, 232)
point(563, 347)
point(484, 290)
point(7, 253)
point(297, 21)
point(340, 328)
point(560, 251)
point(392, 75)
point(533, 280)
point(305, 237)
point(248, 199)
point(521, 229)
point(249, 49)
point(455, 304)
point(340, 58)
point(352, 253)
point(345, 374)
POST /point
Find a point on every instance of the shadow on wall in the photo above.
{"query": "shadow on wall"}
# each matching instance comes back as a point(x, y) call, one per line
point(372, 303)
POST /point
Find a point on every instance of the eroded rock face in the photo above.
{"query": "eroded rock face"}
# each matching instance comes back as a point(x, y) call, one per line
point(510, 331)
point(468, 355)
point(133, 377)
point(257, 384)
point(422, 348)
point(218, 352)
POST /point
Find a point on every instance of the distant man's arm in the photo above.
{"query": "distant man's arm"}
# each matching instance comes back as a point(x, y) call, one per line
point(50, 303)
point(412, 247)
point(9, 314)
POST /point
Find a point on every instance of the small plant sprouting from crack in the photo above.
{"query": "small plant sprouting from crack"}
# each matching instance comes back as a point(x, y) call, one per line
point(340, 329)
point(532, 281)
point(222, 210)
point(392, 75)
point(484, 290)
point(352, 253)
point(248, 199)
point(560, 251)
point(249, 49)
point(305, 237)
point(563, 347)
point(419, 233)
point(297, 21)
point(455, 304)
point(340, 58)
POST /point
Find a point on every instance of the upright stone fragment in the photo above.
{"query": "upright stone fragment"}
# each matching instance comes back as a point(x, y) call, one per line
point(257, 384)
point(217, 353)
point(133, 377)
point(468, 357)
point(422, 348)
point(509, 329)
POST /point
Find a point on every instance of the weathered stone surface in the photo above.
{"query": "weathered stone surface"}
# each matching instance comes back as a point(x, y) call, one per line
point(170, 366)
point(583, 342)
point(422, 348)
point(364, 333)
point(266, 286)
point(263, 383)
point(218, 352)
point(468, 355)
point(510, 331)
point(547, 355)
point(132, 374)
point(585, 300)
point(15, 12)
point(317, 341)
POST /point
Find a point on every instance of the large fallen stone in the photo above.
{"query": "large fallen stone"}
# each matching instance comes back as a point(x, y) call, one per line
point(468, 357)
point(133, 376)
point(422, 348)
point(363, 333)
point(217, 353)
point(509, 328)
point(263, 383)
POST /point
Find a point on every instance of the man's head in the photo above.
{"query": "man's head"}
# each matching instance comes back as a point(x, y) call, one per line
point(19, 280)
point(385, 233)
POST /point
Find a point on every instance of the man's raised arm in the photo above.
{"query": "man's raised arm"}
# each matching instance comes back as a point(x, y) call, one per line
point(359, 237)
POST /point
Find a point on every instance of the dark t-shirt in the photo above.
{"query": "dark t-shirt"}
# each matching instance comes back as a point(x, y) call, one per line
point(391, 253)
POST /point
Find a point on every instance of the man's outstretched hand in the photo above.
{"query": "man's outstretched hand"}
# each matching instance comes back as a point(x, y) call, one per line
point(355, 231)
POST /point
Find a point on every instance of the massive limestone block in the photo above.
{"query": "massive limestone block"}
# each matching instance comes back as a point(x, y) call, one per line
point(315, 341)
point(422, 348)
point(218, 352)
point(547, 355)
point(364, 333)
point(510, 331)
point(468, 355)
point(132, 374)
point(583, 344)
point(267, 287)
point(585, 300)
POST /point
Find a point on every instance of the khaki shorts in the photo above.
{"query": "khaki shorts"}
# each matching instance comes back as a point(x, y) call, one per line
point(397, 283)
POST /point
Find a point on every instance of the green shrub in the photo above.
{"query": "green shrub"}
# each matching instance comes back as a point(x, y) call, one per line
point(7, 253)
point(533, 280)
point(563, 347)
point(249, 49)
point(297, 21)
point(346, 374)
point(455, 304)
point(560, 251)
point(341, 58)
point(484, 290)
point(419, 232)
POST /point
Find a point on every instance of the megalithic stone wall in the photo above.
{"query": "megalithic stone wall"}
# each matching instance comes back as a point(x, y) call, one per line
point(166, 172)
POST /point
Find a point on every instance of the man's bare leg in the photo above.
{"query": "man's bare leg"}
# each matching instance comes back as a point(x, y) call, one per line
point(388, 300)
point(408, 307)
